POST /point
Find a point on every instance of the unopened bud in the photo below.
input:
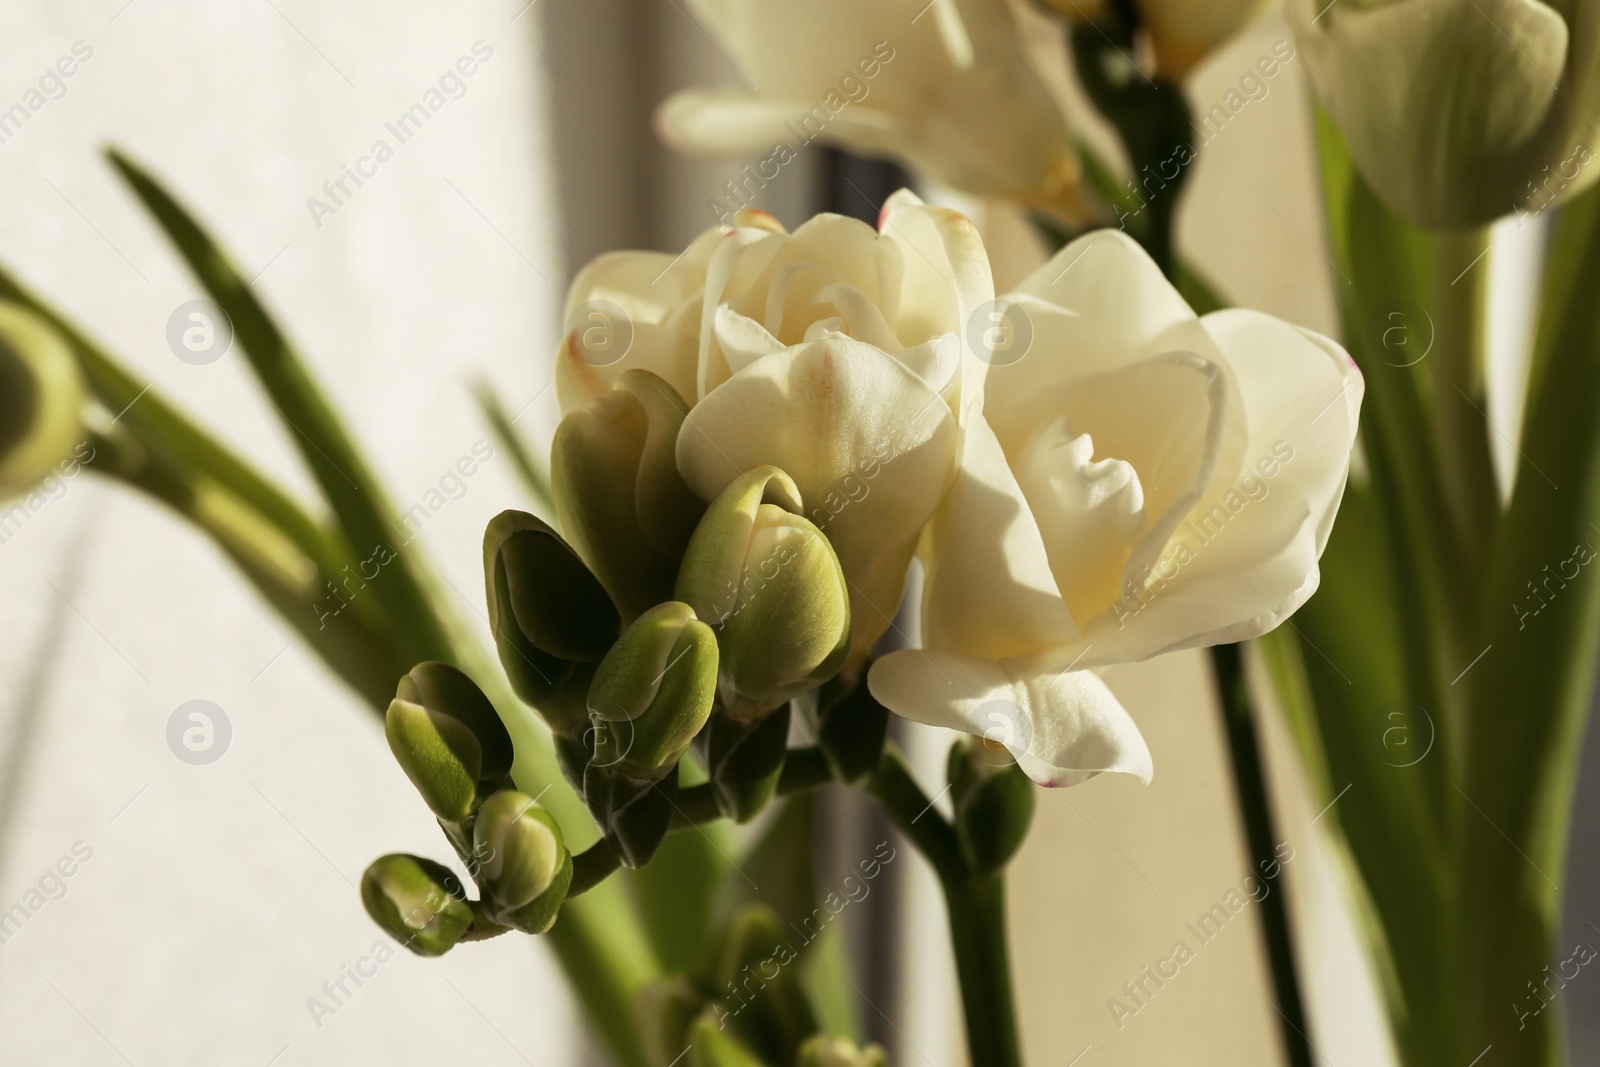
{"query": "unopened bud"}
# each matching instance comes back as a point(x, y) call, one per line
point(551, 618)
point(448, 738)
point(710, 1045)
point(745, 761)
point(755, 972)
point(524, 866)
point(993, 801)
point(666, 1010)
point(41, 400)
point(634, 814)
point(419, 902)
point(768, 581)
point(619, 496)
point(653, 692)
point(825, 1050)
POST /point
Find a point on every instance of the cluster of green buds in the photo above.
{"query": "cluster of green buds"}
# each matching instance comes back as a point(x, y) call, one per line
point(745, 1008)
point(450, 742)
point(652, 621)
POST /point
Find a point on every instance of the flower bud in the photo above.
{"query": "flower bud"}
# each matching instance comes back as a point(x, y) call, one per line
point(666, 1009)
point(768, 581)
point(619, 496)
point(524, 865)
point(448, 739)
point(758, 986)
point(711, 1046)
point(825, 1050)
point(419, 902)
point(653, 692)
point(41, 398)
point(550, 616)
point(993, 802)
point(1458, 113)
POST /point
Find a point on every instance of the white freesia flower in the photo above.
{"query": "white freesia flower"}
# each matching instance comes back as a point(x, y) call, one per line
point(1141, 480)
point(1458, 113)
point(949, 88)
point(833, 353)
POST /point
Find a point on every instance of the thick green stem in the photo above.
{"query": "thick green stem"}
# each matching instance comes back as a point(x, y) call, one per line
point(1459, 290)
point(1261, 837)
point(977, 907)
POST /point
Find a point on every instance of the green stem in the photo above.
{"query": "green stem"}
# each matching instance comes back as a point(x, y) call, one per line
point(977, 912)
point(1261, 837)
point(975, 906)
point(1459, 287)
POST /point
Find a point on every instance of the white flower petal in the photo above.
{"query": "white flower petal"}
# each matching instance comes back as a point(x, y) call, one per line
point(1063, 727)
point(989, 592)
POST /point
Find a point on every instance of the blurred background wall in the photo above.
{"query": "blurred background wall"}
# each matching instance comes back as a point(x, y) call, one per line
point(219, 898)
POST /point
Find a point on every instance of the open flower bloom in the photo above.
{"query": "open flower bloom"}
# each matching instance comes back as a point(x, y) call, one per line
point(1181, 31)
point(1137, 480)
point(951, 89)
point(1459, 113)
point(834, 353)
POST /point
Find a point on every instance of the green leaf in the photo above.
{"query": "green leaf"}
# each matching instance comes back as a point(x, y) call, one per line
point(353, 491)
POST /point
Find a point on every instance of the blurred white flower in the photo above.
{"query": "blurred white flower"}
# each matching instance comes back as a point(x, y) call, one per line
point(1459, 113)
point(953, 89)
point(1134, 480)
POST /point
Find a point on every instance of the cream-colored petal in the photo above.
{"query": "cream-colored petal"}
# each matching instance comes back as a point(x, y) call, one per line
point(742, 340)
point(871, 447)
point(1246, 556)
point(989, 592)
point(667, 351)
point(1063, 727)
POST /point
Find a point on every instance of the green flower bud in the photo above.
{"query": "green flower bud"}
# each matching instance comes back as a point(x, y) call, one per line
point(549, 615)
point(524, 865)
point(666, 1010)
point(746, 759)
point(768, 581)
point(825, 1050)
point(653, 692)
point(758, 988)
point(420, 903)
point(619, 496)
point(993, 802)
point(711, 1046)
point(633, 814)
point(448, 739)
point(41, 399)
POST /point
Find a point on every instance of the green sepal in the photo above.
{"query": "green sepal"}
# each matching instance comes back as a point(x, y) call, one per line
point(851, 729)
point(993, 801)
point(745, 760)
point(420, 903)
point(634, 815)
